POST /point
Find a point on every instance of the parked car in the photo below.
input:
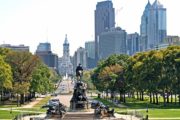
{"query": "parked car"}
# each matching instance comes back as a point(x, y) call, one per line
point(94, 104)
point(53, 102)
point(54, 94)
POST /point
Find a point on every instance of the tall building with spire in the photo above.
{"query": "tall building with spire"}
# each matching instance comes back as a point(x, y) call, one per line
point(153, 25)
point(65, 67)
point(104, 19)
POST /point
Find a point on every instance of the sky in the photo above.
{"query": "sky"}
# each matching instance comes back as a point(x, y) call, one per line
point(30, 22)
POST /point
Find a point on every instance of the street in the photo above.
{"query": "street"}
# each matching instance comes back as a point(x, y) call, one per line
point(64, 92)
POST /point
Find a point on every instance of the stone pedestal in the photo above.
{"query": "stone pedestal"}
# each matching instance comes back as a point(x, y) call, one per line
point(79, 99)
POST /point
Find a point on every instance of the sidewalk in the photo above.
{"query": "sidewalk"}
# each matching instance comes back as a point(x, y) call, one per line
point(31, 104)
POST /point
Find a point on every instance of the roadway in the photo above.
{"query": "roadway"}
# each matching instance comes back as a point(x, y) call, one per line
point(64, 91)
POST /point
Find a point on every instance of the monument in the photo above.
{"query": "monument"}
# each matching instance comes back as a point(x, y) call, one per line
point(79, 99)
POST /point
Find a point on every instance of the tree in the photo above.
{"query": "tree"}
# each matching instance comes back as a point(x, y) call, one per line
point(4, 51)
point(109, 77)
point(95, 80)
point(22, 64)
point(135, 74)
point(173, 59)
point(107, 73)
point(177, 85)
point(169, 79)
point(153, 64)
point(5, 76)
point(41, 81)
point(87, 79)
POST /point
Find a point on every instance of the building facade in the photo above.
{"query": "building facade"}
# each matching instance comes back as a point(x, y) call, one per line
point(16, 47)
point(104, 19)
point(90, 48)
point(111, 42)
point(65, 65)
point(45, 54)
point(153, 25)
point(172, 40)
point(80, 57)
point(44, 47)
point(133, 43)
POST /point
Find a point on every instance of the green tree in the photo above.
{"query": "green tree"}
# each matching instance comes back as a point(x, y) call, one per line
point(136, 70)
point(87, 79)
point(177, 69)
point(22, 64)
point(153, 64)
point(4, 51)
point(108, 71)
point(96, 81)
point(5, 76)
point(109, 77)
point(168, 83)
point(41, 81)
point(171, 60)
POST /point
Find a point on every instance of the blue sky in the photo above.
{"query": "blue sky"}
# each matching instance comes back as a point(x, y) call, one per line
point(32, 21)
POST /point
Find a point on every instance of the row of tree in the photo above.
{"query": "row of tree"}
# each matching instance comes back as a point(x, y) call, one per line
point(155, 72)
point(22, 75)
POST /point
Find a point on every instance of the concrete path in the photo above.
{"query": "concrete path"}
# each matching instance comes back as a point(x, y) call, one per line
point(31, 104)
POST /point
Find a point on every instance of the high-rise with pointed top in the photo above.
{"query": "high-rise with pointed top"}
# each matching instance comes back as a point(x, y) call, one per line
point(153, 25)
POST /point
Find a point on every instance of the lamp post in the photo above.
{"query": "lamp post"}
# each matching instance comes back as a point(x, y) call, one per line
point(147, 112)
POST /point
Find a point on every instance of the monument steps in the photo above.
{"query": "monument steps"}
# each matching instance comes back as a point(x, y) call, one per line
point(84, 116)
point(78, 116)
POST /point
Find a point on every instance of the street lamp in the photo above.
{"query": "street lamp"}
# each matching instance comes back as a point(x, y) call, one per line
point(147, 112)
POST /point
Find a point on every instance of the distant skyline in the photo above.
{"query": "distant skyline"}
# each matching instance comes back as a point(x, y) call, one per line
point(30, 22)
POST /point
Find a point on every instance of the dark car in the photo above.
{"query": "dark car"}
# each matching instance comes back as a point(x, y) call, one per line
point(53, 102)
point(95, 103)
point(54, 94)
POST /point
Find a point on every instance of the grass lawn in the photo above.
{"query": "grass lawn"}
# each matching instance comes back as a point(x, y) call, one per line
point(4, 114)
point(162, 113)
point(37, 110)
point(42, 102)
point(8, 106)
point(154, 111)
point(37, 107)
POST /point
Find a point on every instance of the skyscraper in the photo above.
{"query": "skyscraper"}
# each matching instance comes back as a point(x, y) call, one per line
point(46, 55)
point(104, 19)
point(153, 25)
point(133, 43)
point(90, 48)
point(111, 42)
point(44, 47)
